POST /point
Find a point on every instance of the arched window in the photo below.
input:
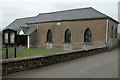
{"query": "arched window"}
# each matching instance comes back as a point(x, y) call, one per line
point(67, 36)
point(49, 36)
point(88, 35)
point(112, 32)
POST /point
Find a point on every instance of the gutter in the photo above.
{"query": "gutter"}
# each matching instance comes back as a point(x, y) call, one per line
point(66, 20)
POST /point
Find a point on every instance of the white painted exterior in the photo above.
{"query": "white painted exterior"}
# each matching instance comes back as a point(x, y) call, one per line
point(21, 32)
point(28, 42)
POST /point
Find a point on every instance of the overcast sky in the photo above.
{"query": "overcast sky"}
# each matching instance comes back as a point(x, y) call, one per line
point(13, 9)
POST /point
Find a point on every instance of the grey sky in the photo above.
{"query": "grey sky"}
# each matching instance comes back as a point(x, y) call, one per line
point(13, 9)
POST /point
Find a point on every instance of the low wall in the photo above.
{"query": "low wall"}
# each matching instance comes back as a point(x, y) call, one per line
point(20, 64)
point(75, 46)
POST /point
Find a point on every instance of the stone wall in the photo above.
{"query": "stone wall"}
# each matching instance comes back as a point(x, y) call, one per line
point(77, 29)
point(33, 39)
point(112, 41)
point(20, 64)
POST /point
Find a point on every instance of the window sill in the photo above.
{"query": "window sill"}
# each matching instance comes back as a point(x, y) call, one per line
point(67, 43)
point(88, 43)
point(48, 42)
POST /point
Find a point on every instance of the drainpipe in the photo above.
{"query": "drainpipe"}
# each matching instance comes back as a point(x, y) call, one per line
point(28, 41)
point(37, 36)
point(107, 32)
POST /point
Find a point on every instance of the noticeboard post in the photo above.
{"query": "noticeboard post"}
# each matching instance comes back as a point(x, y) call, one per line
point(9, 39)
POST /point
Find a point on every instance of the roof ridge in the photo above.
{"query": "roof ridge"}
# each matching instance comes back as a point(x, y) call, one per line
point(26, 18)
point(100, 12)
point(64, 10)
point(10, 24)
point(107, 16)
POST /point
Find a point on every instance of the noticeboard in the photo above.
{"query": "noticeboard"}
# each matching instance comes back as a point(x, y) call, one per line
point(9, 37)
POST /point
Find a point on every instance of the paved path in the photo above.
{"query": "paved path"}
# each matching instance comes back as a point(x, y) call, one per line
point(104, 65)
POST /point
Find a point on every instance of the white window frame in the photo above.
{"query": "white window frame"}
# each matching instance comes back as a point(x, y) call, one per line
point(12, 38)
point(6, 37)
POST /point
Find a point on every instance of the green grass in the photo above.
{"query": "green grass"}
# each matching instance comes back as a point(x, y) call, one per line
point(2, 51)
point(36, 51)
point(0, 32)
point(31, 52)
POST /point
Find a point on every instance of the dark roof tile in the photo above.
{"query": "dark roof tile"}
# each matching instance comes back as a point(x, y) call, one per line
point(16, 24)
point(74, 14)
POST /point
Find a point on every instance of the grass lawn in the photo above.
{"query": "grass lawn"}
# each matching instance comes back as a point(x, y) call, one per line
point(2, 51)
point(36, 51)
point(0, 33)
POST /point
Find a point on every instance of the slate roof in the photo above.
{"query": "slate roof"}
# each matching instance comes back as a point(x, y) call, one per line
point(16, 24)
point(28, 30)
point(24, 29)
point(74, 14)
point(31, 30)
